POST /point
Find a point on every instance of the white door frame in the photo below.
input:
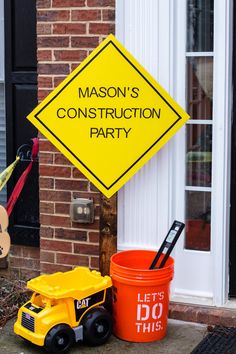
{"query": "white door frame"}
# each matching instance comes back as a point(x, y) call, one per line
point(222, 92)
point(161, 35)
point(222, 111)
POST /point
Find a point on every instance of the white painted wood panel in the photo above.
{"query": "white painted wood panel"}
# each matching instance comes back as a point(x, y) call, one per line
point(143, 211)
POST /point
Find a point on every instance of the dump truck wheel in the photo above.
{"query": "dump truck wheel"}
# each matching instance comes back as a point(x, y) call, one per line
point(97, 326)
point(59, 339)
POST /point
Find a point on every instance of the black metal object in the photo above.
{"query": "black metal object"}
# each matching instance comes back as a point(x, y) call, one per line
point(21, 98)
point(25, 153)
point(168, 245)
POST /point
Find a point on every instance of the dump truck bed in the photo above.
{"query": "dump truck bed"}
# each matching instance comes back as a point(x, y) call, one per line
point(78, 284)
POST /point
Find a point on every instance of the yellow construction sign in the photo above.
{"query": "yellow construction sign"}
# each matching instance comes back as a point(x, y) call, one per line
point(109, 116)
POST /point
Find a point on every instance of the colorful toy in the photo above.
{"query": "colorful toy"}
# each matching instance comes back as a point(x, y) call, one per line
point(5, 241)
point(66, 308)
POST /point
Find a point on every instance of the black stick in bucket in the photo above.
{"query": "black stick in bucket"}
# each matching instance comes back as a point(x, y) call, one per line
point(168, 244)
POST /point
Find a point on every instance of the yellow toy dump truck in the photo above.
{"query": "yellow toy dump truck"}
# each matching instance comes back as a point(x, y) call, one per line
point(66, 308)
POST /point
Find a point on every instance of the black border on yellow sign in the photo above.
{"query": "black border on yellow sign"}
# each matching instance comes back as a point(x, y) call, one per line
point(76, 157)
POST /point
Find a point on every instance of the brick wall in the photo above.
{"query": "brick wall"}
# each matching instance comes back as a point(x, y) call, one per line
point(22, 262)
point(67, 31)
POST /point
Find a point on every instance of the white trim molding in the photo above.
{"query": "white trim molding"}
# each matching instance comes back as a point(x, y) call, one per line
point(146, 30)
point(222, 111)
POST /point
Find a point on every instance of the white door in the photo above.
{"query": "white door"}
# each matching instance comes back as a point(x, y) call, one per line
point(186, 46)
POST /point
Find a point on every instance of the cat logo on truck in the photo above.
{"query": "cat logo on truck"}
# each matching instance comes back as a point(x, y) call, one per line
point(66, 308)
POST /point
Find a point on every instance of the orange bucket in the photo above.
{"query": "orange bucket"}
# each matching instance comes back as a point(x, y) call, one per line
point(140, 296)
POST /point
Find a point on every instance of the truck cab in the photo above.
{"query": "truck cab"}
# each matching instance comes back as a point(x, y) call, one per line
point(66, 308)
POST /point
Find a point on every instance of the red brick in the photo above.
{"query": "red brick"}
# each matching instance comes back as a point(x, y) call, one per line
point(30, 252)
point(68, 3)
point(44, 28)
point(55, 220)
point(68, 234)
point(102, 3)
point(69, 28)
point(47, 257)
point(95, 196)
point(94, 237)
point(40, 136)
point(77, 174)
point(175, 309)
point(73, 259)
point(108, 15)
point(69, 184)
point(16, 251)
point(92, 187)
point(74, 66)
point(85, 42)
point(47, 232)
point(86, 15)
point(43, 94)
point(46, 208)
point(46, 183)
point(53, 15)
point(28, 274)
point(97, 211)
point(44, 55)
point(229, 320)
point(86, 248)
point(54, 171)
point(202, 314)
point(204, 317)
point(47, 146)
point(49, 268)
point(44, 81)
point(27, 263)
point(53, 42)
point(60, 159)
point(60, 226)
point(93, 226)
point(45, 158)
point(52, 69)
point(55, 245)
point(55, 196)
point(70, 55)
point(101, 28)
point(14, 261)
point(62, 208)
point(43, 3)
point(58, 79)
point(94, 263)
point(190, 315)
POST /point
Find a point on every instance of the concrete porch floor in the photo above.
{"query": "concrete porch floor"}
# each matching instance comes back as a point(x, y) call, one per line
point(182, 337)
